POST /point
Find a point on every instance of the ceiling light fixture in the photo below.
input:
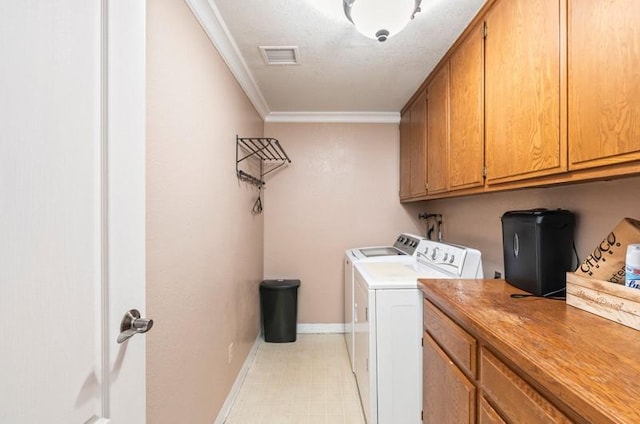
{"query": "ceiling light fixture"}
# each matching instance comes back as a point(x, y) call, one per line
point(380, 19)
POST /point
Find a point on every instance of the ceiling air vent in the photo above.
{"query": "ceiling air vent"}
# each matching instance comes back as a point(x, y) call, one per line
point(280, 55)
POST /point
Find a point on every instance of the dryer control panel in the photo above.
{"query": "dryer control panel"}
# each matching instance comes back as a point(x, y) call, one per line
point(447, 257)
point(407, 243)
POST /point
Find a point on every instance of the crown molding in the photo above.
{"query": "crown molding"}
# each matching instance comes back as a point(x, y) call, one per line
point(335, 117)
point(210, 19)
point(207, 13)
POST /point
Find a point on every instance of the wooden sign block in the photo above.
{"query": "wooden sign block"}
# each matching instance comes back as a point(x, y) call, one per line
point(612, 301)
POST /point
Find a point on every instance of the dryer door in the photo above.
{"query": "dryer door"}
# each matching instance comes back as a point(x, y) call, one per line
point(364, 355)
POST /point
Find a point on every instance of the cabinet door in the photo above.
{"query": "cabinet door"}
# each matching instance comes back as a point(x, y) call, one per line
point(522, 90)
point(438, 132)
point(603, 82)
point(466, 144)
point(516, 399)
point(418, 146)
point(459, 345)
point(405, 155)
point(448, 396)
point(487, 415)
point(362, 340)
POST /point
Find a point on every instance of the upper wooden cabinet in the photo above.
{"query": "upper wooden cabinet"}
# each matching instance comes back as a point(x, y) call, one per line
point(603, 82)
point(438, 132)
point(522, 90)
point(466, 105)
point(534, 92)
point(405, 155)
point(455, 120)
point(413, 158)
point(418, 147)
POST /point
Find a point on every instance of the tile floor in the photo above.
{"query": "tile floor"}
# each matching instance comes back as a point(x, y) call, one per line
point(306, 382)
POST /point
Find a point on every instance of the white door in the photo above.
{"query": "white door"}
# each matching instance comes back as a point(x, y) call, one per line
point(71, 210)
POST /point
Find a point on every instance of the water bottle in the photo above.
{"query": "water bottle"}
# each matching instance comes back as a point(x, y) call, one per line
point(632, 266)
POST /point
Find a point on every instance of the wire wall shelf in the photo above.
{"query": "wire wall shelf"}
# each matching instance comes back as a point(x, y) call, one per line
point(267, 150)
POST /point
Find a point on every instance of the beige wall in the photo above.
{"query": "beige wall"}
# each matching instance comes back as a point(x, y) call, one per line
point(341, 191)
point(599, 206)
point(204, 248)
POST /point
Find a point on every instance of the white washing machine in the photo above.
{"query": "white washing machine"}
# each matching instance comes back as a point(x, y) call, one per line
point(403, 250)
point(388, 328)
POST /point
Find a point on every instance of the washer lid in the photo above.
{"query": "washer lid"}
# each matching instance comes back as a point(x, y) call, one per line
point(395, 275)
point(381, 251)
point(382, 271)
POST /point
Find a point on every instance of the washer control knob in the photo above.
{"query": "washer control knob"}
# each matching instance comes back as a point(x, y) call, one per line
point(434, 254)
point(451, 259)
point(446, 256)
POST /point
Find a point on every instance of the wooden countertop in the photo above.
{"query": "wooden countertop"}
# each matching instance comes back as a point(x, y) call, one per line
point(585, 363)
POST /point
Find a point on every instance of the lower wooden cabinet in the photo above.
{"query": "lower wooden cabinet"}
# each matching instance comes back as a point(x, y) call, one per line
point(466, 384)
point(515, 398)
point(449, 396)
point(535, 362)
point(486, 414)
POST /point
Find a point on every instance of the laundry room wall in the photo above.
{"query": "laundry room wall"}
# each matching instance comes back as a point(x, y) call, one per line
point(599, 206)
point(204, 247)
point(340, 191)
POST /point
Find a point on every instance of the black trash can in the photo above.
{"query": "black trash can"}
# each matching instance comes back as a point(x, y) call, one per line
point(279, 301)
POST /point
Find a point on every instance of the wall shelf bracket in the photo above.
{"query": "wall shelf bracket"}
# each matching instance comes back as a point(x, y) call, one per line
point(267, 151)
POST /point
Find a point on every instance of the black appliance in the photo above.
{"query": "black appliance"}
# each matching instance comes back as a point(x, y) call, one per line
point(538, 249)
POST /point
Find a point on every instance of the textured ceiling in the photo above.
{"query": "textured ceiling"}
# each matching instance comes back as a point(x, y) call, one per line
point(341, 70)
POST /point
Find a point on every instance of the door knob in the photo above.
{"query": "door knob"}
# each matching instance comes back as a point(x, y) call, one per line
point(132, 324)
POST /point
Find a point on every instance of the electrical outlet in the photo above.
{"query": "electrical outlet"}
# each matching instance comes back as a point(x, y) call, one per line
point(230, 353)
point(497, 274)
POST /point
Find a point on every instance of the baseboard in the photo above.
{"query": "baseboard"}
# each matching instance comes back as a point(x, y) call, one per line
point(235, 389)
point(320, 328)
